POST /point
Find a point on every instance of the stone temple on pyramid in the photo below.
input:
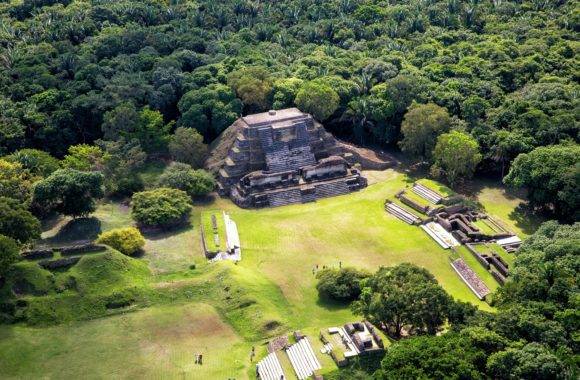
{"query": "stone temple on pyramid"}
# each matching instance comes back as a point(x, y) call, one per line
point(282, 157)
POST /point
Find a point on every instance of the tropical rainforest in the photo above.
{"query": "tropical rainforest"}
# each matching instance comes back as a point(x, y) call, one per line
point(92, 90)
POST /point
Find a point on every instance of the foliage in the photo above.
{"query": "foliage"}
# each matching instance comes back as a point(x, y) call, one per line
point(456, 156)
point(195, 183)
point(403, 296)
point(422, 124)
point(83, 157)
point(551, 176)
point(209, 109)
point(17, 222)
point(533, 334)
point(121, 160)
point(530, 362)
point(161, 207)
point(253, 86)
point(69, 192)
point(8, 253)
point(37, 162)
point(340, 284)
point(186, 145)
point(15, 181)
point(128, 240)
point(318, 99)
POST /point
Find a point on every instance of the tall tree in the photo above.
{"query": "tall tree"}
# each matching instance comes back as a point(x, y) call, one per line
point(69, 192)
point(551, 175)
point(422, 124)
point(186, 145)
point(403, 296)
point(317, 99)
point(456, 156)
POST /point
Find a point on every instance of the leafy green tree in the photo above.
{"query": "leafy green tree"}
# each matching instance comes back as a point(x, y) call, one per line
point(161, 207)
point(195, 183)
point(37, 162)
point(545, 268)
point(128, 240)
point(551, 175)
point(285, 91)
point(403, 296)
point(317, 99)
point(121, 162)
point(15, 181)
point(145, 125)
point(119, 121)
point(446, 356)
point(340, 284)
point(69, 192)
point(17, 222)
point(533, 362)
point(209, 109)
point(83, 157)
point(422, 124)
point(254, 86)
point(186, 145)
point(456, 156)
point(8, 253)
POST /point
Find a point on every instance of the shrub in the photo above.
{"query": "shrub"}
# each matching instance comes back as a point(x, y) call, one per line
point(180, 176)
point(161, 207)
point(340, 284)
point(17, 222)
point(128, 240)
point(8, 253)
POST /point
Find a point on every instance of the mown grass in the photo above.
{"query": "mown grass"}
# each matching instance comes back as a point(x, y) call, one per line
point(270, 292)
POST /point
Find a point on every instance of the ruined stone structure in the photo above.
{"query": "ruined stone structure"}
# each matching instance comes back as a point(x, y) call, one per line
point(283, 157)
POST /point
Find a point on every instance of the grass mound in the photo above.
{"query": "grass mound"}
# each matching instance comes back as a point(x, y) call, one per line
point(97, 285)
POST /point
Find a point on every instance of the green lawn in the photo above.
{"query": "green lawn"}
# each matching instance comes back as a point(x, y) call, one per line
point(206, 221)
point(157, 342)
point(270, 292)
point(436, 186)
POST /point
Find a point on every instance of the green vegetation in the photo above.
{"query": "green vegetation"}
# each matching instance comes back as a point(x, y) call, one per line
point(215, 238)
point(404, 296)
point(17, 222)
point(69, 192)
point(9, 249)
point(342, 284)
point(456, 156)
point(196, 183)
point(128, 241)
point(97, 97)
point(272, 290)
point(551, 176)
point(422, 124)
point(161, 207)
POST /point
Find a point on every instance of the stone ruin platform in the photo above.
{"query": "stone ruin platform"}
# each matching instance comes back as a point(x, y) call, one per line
point(283, 157)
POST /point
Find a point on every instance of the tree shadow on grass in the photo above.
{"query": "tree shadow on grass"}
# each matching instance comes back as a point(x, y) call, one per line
point(331, 305)
point(164, 233)
point(525, 218)
point(76, 230)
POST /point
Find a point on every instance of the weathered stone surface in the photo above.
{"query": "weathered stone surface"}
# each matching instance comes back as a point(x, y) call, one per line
point(281, 157)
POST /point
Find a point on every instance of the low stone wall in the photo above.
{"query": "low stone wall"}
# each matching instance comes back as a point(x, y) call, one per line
point(37, 254)
point(59, 263)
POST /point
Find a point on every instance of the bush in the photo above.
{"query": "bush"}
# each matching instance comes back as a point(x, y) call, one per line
point(180, 176)
point(161, 207)
point(17, 222)
point(340, 284)
point(128, 240)
point(8, 253)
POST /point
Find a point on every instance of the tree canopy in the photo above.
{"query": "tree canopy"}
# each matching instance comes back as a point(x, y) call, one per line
point(69, 192)
point(551, 174)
